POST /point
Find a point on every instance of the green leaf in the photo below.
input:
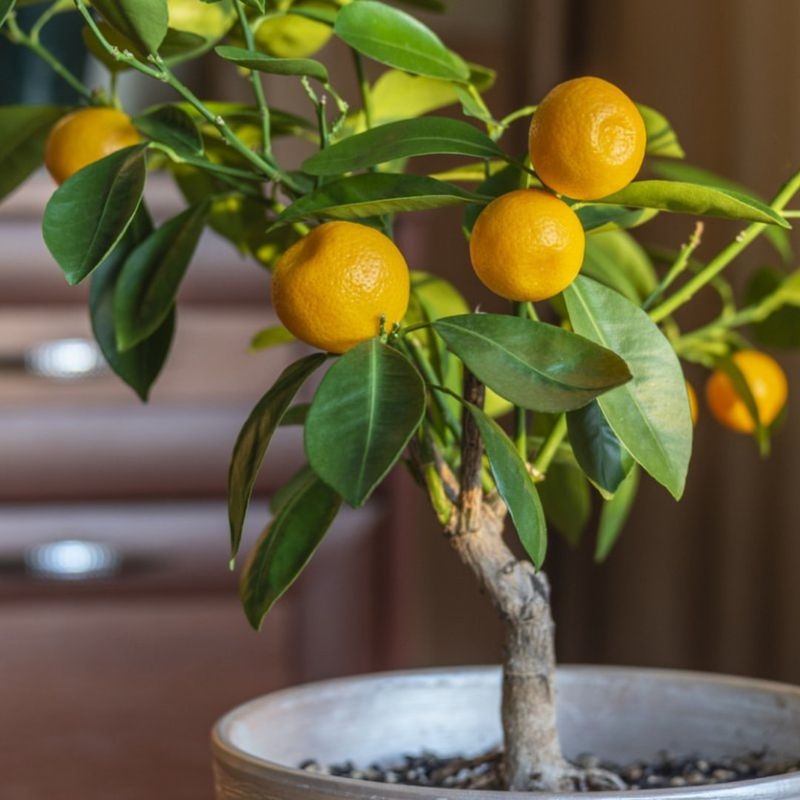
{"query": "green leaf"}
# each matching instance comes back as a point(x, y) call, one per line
point(271, 337)
point(362, 416)
point(598, 451)
point(374, 194)
point(260, 62)
point(90, 212)
point(696, 199)
point(286, 546)
point(661, 138)
point(598, 218)
point(398, 40)
point(617, 260)
point(144, 22)
point(255, 436)
point(781, 329)
point(615, 514)
point(289, 489)
point(23, 132)
point(5, 9)
point(256, 5)
point(566, 501)
point(296, 414)
point(152, 273)
point(403, 139)
point(680, 171)
point(649, 415)
point(532, 364)
point(172, 127)
point(140, 366)
point(515, 486)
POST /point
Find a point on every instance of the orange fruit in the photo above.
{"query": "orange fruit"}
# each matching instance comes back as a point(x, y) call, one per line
point(587, 139)
point(767, 383)
point(527, 245)
point(332, 288)
point(693, 406)
point(86, 136)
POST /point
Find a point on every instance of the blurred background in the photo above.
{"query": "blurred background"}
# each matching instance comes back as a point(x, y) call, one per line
point(122, 639)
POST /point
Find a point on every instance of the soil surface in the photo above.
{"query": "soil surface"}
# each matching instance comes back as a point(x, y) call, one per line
point(483, 772)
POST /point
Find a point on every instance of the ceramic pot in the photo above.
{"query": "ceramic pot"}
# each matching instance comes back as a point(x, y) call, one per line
point(620, 714)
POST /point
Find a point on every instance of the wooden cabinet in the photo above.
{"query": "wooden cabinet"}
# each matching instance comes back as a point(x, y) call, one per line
point(109, 686)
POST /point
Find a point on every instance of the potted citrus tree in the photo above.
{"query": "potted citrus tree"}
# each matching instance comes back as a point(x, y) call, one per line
point(502, 418)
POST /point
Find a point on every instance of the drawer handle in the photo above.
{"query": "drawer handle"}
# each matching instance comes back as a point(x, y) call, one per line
point(61, 359)
point(73, 560)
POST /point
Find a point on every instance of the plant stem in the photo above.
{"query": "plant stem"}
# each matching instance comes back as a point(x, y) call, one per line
point(678, 267)
point(162, 73)
point(255, 79)
point(520, 414)
point(16, 35)
point(716, 265)
point(363, 88)
point(550, 446)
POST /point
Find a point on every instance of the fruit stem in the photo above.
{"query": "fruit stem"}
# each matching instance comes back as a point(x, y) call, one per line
point(255, 79)
point(717, 264)
point(550, 446)
point(16, 35)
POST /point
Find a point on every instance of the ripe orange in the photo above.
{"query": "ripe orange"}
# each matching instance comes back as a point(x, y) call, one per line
point(527, 245)
point(767, 383)
point(587, 139)
point(694, 409)
point(86, 136)
point(332, 288)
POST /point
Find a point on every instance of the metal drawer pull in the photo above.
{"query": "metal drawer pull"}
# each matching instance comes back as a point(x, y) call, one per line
point(62, 359)
point(73, 560)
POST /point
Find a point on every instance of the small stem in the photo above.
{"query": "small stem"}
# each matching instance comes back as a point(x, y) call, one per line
point(364, 89)
point(255, 80)
point(526, 111)
point(680, 264)
point(520, 414)
point(16, 35)
point(716, 265)
point(550, 446)
point(43, 20)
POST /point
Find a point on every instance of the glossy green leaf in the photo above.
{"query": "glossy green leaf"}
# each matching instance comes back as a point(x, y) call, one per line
point(515, 486)
point(661, 138)
point(260, 62)
point(615, 514)
point(362, 416)
point(566, 501)
point(781, 329)
point(649, 415)
point(598, 218)
point(148, 283)
point(296, 414)
point(285, 493)
point(172, 127)
point(696, 199)
point(597, 449)
point(90, 212)
point(271, 337)
point(398, 40)
point(374, 194)
point(5, 9)
point(255, 436)
point(140, 366)
point(23, 132)
point(532, 364)
point(681, 171)
point(617, 260)
point(403, 139)
point(144, 22)
point(286, 546)
point(256, 5)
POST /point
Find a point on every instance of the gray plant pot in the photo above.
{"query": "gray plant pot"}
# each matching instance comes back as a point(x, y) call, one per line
point(617, 713)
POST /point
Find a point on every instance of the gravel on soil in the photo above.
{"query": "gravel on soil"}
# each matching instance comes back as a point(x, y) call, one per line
point(484, 771)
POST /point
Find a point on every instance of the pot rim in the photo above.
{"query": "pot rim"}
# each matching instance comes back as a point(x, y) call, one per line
point(225, 750)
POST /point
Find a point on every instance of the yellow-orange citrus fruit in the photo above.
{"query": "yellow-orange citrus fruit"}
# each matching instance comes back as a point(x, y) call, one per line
point(86, 136)
point(527, 245)
point(587, 139)
point(694, 409)
point(767, 383)
point(332, 288)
